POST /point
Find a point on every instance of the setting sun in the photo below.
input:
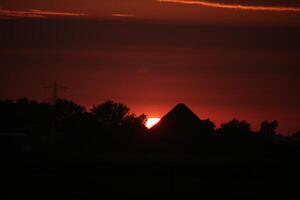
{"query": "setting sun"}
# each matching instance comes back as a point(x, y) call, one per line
point(151, 122)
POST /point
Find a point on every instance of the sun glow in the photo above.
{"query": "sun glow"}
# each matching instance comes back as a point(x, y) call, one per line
point(151, 122)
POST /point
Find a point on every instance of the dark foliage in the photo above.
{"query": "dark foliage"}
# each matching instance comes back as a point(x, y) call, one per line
point(268, 129)
point(110, 127)
point(71, 150)
point(235, 128)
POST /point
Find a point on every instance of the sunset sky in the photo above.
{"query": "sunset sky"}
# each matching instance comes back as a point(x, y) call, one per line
point(223, 58)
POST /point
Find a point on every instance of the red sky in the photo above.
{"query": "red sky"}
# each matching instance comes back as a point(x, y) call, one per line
point(229, 11)
point(222, 62)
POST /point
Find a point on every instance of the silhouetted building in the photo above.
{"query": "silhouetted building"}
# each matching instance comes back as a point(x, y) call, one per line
point(180, 125)
point(179, 118)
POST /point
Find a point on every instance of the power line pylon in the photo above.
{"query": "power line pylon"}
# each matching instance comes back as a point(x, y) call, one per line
point(56, 88)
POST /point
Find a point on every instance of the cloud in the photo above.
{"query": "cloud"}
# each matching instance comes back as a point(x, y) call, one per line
point(233, 6)
point(33, 13)
point(122, 15)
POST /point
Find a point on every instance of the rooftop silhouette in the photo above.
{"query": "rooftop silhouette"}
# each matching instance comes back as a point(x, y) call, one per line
point(180, 117)
point(181, 124)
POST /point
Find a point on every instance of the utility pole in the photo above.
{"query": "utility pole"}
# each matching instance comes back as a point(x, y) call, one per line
point(55, 88)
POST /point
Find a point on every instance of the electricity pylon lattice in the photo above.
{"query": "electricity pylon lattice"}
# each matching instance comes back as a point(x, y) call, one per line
point(56, 88)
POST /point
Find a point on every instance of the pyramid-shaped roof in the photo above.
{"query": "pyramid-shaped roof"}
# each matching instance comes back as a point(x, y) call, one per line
point(180, 118)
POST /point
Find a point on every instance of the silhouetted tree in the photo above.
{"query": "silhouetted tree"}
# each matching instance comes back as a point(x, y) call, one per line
point(67, 127)
point(134, 129)
point(296, 135)
point(70, 122)
point(236, 138)
point(208, 125)
point(135, 122)
point(24, 116)
point(65, 108)
point(110, 114)
point(268, 129)
point(117, 127)
point(7, 116)
point(235, 128)
point(30, 119)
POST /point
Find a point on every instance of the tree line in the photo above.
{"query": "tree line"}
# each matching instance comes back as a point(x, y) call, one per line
point(31, 126)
